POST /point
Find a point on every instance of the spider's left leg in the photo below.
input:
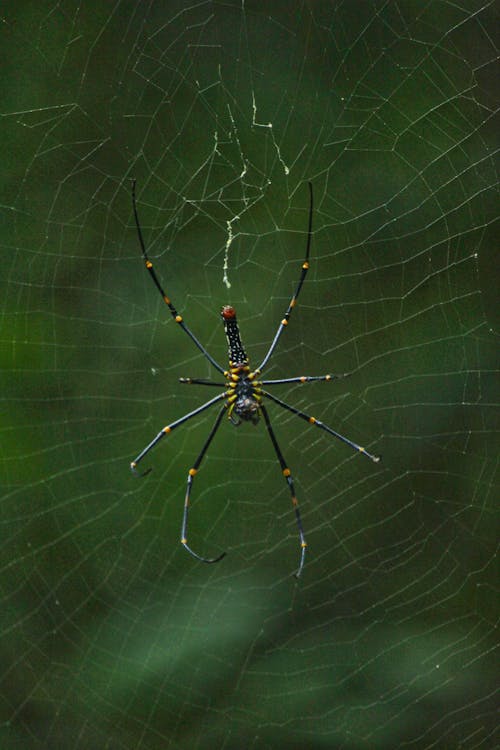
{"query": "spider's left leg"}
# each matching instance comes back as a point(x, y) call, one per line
point(168, 429)
point(288, 476)
point(201, 381)
point(318, 423)
point(149, 266)
point(191, 474)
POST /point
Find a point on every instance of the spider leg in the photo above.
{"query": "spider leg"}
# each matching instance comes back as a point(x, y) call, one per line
point(305, 379)
point(305, 268)
point(287, 474)
point(166, 430)
point(201, 381)
point(318, 423)
point(178, 318)
point(191, 474)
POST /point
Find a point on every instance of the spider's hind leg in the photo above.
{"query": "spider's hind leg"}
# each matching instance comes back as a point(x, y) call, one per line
point(191, 475)
point(288, 476)
point(317, 423)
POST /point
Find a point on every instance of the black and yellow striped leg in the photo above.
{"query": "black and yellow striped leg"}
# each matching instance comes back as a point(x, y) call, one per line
point(191, 475)
point(318, 423)
point(166, 430)
point(178, 318)
point(304, 379)
point(288, 476)
point(303, 274)
point(201, 381)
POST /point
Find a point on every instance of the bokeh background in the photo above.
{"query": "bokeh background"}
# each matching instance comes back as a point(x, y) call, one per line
point(111, 635)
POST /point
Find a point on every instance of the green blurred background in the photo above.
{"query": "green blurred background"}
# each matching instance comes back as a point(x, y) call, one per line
point(112, 636)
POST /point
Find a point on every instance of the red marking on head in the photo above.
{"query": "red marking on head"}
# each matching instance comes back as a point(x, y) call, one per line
point(228, 312)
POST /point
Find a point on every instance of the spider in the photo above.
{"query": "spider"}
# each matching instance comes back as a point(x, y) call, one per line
point(244, 394)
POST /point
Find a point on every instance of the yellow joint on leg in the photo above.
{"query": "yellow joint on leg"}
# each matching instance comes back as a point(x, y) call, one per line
point(293, 301)
point(303, 379)
point(133, 464)
point(361, 449)
point(184, 540)
point(312, 420)
point(303, 544)
point(284, 322)
point(192, 472)
point(166, 299)
point(149, 264)
point(166, 430)
point(178, 318)
point(305, 265)
point(286, 472)
point(328, 377)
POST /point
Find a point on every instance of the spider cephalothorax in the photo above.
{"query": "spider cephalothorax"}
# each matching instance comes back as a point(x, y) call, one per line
point(244, 392)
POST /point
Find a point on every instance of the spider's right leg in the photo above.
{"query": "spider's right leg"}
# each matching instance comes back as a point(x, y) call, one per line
point(305, 379)
point(288, 476)
point(295, 296)
point(317, 423)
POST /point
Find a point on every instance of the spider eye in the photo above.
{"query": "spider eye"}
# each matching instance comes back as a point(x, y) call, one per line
point(228, 312)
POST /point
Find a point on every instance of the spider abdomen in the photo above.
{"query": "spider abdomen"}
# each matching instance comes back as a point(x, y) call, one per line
point(244, 396)
point(246, 409)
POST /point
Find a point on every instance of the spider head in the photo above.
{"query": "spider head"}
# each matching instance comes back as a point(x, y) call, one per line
point(228, 313)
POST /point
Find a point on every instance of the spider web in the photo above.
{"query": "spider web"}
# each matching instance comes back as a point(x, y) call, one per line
point(112, 636)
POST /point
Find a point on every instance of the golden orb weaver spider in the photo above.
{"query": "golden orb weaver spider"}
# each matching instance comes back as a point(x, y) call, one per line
point(244, 391)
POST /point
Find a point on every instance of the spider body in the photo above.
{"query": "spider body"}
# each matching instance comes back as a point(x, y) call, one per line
point(237, 354)
point(244, 392)
point(244, 397)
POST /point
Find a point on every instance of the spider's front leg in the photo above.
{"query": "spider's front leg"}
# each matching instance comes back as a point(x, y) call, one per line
point(295, 296)
point(156, 281)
